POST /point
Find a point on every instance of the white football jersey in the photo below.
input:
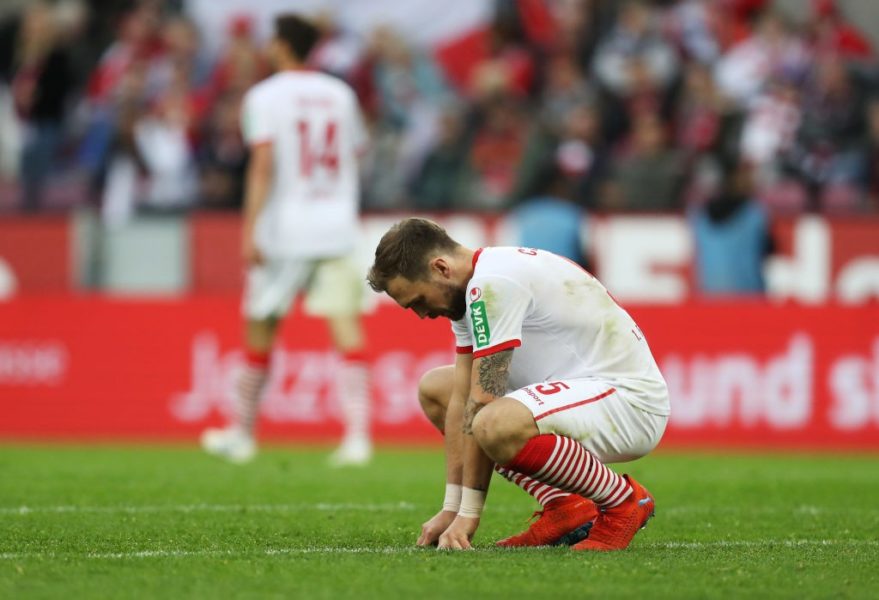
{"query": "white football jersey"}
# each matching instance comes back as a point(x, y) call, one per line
point(562, 323)
point(313, 122)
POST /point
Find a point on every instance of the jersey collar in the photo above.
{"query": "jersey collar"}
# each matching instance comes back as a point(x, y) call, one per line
point(476, 256)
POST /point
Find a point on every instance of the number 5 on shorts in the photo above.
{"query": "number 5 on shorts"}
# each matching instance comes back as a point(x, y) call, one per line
point(550, 388)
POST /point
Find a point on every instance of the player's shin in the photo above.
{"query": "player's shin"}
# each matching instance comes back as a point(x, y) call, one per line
point(543, 493)
point(477, 468)
point(564, 463)
point(248, 391)
point(354, 401)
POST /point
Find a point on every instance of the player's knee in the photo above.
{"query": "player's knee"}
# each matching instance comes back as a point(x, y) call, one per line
point(347, 332)
point(433, 396)
point(489, 429)
point(259, 334)
point(501, 429)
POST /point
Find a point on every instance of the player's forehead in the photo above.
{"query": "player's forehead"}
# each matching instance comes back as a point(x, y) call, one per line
point(405, 291)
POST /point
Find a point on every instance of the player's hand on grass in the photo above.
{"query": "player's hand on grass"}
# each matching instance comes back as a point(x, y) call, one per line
point(433, 529)
point(459, 534)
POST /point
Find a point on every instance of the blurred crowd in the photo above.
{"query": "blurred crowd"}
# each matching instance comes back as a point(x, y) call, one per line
point(600, 105)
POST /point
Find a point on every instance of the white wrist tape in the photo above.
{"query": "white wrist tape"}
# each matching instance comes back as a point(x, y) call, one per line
point(472, 502)
point(452, 501)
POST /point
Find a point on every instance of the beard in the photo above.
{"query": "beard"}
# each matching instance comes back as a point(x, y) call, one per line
point(456, 300)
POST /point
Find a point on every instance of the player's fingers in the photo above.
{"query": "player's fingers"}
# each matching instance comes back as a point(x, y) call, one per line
point(445, 542)
point(450, 542)
point(428, 537)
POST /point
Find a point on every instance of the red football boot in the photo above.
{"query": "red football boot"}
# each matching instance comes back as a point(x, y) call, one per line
point(563, 521)
point(615, 527)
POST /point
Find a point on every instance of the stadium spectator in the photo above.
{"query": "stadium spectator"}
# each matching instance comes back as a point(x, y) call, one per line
point(699, 117)
point(871, 154)
point(828, 143)
point(409, 94)
point(636, 66)
point(576, 31)
point(509, 67)
point(179, 63)
point(649, 176)
point(240, 63)
point(731, 236)
point(770, 125)
point(137, 41)
point(565, 88)
point(495, 153)
point(744, 69)
point(441, 183)
point(692, 25)
point(635, 52)
point(122, 168)
point(574, 150)
point(163, 140)
point(552, 221)
point(721, 76)
point(37, 70)
point(222, 157)
point(832, 34)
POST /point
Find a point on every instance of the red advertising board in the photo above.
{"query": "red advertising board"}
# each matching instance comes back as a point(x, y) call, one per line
point(36, 254)
point(740, 374)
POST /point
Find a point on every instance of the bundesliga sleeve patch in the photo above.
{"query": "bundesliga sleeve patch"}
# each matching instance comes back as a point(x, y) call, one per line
point(479, 318)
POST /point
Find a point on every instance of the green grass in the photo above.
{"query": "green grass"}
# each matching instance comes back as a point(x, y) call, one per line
point(125, 522)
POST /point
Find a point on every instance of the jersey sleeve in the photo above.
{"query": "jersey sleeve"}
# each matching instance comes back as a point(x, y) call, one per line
point(497, 309)
point(463, 342)
point(256, 122)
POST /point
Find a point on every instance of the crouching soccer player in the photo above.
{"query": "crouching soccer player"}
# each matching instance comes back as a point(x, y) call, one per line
point(552, 380)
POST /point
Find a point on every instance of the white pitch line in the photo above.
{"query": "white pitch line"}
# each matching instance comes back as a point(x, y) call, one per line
point(757, 544)
point(213, 553)
point(808, 510)
point(721, 544)
point(187, 508)
point(382, 507)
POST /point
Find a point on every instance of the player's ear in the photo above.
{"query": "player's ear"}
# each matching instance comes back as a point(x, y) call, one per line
point(441, 267)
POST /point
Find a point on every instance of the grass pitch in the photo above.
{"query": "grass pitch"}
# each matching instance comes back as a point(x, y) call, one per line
point(126, 522)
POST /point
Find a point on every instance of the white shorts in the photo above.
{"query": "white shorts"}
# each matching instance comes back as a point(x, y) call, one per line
point(596, 414)
point(333, 287)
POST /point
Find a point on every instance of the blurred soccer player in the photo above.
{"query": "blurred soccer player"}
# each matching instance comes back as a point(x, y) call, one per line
point(300, 225)
point(552, 380)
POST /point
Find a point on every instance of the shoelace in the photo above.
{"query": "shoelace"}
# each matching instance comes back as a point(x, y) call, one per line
point(535, 515)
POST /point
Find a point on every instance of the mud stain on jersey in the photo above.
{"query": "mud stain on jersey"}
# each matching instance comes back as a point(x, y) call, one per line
point(489, 296)
point(577, 288)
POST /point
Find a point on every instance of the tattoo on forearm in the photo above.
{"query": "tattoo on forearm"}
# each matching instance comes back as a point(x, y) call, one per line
point(471, 407)
point(494, 371)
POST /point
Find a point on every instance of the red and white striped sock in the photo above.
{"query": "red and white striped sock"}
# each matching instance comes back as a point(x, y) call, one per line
point(564, 463)
point(248, 390)
point(354, 397)
point(541, 492)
